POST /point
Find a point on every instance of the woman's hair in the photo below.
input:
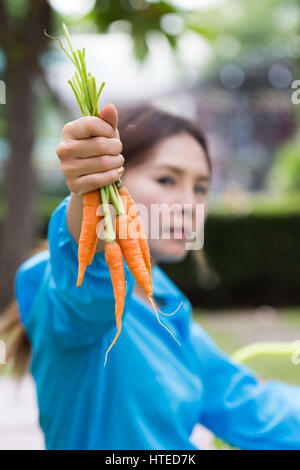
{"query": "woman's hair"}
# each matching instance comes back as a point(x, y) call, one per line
point(140, 127)
point(17, 344)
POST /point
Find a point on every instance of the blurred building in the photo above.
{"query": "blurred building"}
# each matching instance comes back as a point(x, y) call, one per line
point(245, 124)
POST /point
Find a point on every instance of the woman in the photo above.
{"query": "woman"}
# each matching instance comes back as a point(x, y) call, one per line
point(152, 392)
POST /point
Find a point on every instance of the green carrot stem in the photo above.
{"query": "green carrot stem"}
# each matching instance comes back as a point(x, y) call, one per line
point(120, 202)
point(78, 82)
point(85, 81)
point(75, 59)
point(91, 94)
point(60, 43)
point(99, 91)
point(78, 98)
point(68, 38)
point(118, 183)
point(85, 90)
point(109, 233)
point(114, 199)
point(82, 100)
point(107, 193)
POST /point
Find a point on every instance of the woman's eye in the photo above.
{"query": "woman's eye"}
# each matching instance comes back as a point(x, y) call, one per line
point(201, 189)
point(166, 180)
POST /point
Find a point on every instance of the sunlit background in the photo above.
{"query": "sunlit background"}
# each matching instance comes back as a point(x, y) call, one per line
point(228, 65)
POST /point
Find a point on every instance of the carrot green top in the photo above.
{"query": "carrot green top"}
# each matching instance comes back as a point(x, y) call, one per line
point(152, 392)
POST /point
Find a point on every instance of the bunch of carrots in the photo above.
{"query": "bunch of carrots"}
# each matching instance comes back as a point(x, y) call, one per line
point(126, 238)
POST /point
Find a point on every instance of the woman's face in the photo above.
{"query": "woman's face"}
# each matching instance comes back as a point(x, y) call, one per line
point(173, 173)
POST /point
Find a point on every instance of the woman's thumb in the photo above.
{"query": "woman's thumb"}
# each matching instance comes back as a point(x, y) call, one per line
point(110, 114)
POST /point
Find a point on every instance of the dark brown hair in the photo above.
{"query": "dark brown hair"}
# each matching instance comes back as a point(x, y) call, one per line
point(17, 344)
point(140, 127)
point(18, 348)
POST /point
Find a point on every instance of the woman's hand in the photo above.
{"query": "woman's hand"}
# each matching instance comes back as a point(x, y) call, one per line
point(90, 155)
point(90, 151)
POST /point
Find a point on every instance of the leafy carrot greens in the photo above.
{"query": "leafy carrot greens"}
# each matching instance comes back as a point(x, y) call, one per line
point(135, 250)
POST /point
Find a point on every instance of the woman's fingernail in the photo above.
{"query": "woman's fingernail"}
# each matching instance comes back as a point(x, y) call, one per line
point(121, 170)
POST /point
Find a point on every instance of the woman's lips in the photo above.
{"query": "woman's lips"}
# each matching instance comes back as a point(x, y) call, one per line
point(178, 233)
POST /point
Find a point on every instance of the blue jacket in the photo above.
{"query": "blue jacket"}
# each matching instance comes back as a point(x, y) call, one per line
point(152, 391)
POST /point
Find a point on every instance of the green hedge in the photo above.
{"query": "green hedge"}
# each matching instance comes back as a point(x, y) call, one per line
point(257, 260)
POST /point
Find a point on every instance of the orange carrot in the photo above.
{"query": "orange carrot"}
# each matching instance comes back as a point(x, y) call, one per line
point(132, 211)
point(144, 245)
point(133, 256)
point(86, 243)
point(92, 252)
point(93, 249)
point(114, 260)
point(132, 252)
point(128, 202)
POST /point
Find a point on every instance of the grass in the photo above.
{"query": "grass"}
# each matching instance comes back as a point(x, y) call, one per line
point(232, 330)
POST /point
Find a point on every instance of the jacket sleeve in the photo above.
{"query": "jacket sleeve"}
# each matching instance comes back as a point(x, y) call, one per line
point(239, 409)
point(90, 309)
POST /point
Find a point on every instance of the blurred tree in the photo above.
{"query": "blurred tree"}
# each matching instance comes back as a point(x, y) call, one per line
point(142, 17)
point(21, 23)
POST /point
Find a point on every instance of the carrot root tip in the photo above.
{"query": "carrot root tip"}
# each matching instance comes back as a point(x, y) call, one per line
point(81, 272)
point(158, 319)
point(168, 314)
point(113, 342)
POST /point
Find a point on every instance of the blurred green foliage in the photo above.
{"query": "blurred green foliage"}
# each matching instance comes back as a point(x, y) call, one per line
point(142, 19)
point(285, 172)
point(264, 204)
point(234, 329)
point(254, 259)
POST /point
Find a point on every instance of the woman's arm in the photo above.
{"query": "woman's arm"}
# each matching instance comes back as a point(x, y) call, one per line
point(90, 158)
point(87, 311)
point(239, 409)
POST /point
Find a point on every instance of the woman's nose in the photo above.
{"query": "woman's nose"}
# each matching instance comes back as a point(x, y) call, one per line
point(188, 201)
point(185, 204)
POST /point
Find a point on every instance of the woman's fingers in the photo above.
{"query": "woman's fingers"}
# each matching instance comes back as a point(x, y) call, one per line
point(90, 151)
point(87, 183)
point(82, 167)
point(86, 148)
point(97, 146)
point(87, 126)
